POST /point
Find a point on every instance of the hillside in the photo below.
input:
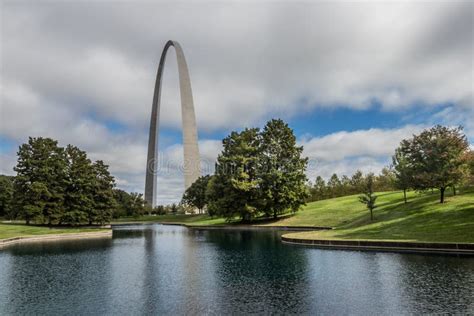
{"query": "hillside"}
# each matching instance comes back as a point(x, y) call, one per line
point(423, 218)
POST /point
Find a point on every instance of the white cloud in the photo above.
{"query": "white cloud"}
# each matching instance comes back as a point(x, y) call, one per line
point(374, 142)
point(68, 67)
point(251, 65)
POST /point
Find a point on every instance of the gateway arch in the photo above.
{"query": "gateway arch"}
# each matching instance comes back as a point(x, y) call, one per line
point(191, 166)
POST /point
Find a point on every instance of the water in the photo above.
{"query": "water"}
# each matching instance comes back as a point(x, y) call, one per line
point(154, 269)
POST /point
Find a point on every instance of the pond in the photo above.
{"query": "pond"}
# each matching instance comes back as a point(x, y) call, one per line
point(156, 269)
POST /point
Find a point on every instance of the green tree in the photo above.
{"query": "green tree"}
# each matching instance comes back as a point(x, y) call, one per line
point(436, 158)
point(357, 182)
point(319, 188)
point(137, 206)
point(235, 188)
point(41, 162)
point(78, 199)
point(195, 195)
point(403, 172)
point(6, 195)
point(385, 181)
point(103, 195)
point(174, 208)
point(368, 198)
point(281, 169)
point(334, 186)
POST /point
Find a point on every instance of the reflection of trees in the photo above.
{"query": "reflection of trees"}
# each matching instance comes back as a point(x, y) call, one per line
point(438, 284)
point(257, 273)
point(66, 277)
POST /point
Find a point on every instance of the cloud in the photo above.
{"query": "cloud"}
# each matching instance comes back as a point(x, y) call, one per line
point(252, 65)
point(374, 142)
point(71, 68)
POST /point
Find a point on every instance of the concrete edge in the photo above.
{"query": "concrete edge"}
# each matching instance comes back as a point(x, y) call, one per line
point(466, 249)
point(53, 237)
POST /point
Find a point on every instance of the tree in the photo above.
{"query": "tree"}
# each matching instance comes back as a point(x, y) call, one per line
point(334, 186)
point(41, 174)
point(357, 182)
point(6, 195)
point(137, 205)
point(78, 197)
point(195, 195)
point(403, 172)
point(436, 157)
point(368, 198)
point(174, 208)
point(385, 180)
point(281, 169)
point(103, 197)
point(319, 188)
point(235, 188)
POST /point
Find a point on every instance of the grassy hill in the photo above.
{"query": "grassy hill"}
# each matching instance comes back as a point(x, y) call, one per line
point(423, 218)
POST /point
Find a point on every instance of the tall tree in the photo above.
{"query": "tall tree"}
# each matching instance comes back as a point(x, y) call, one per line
point(357, 182)
point(368, 198)
point(195, 195)
point(436, 157)
point(319, 188)
point(282, 169)
point(403, 172)
point(334, 185)
point(103, 197)
point(78, 199)
point(234, 189)
point(41, 162)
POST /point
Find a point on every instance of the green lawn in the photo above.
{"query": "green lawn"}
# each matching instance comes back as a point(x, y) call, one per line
point(423, 218)
point(179, 218)
point(20, 230)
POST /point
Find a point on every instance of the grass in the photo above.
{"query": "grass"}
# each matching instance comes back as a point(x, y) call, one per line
point(423, 218)
point(200, 220)
point(21, 230)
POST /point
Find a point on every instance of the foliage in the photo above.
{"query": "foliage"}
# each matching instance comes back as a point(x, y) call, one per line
point(403, 172)
point(368, 198)
point(41, 180)
point(6, 195)
point(436, 158)
point(282, 170)
point(234, 189)
point(258, 172)
point(195, 195)
point(56, 185)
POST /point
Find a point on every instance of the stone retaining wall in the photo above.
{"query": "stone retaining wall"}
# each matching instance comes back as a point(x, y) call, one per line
point(392, 246)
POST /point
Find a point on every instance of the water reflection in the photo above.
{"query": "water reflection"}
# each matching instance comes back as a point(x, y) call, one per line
point(154, 269)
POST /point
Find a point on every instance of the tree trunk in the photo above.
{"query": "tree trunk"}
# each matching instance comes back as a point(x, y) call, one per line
point(274, 214)
point(441, 191)
point(371, 215)
point(454, 190)
point(405, 194)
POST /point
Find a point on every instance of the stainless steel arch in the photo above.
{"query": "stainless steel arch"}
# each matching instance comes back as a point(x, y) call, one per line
point(191, 167)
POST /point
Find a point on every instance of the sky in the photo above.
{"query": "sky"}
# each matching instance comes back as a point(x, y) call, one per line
point(352, 79)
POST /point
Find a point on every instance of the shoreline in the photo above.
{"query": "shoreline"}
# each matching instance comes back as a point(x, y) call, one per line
point(465, 249)
point(230, 227)
point(53, 237)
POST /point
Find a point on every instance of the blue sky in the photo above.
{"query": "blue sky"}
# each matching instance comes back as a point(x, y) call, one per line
point(351, 78)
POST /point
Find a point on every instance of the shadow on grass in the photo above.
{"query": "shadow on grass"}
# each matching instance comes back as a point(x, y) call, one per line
point(422, 219)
